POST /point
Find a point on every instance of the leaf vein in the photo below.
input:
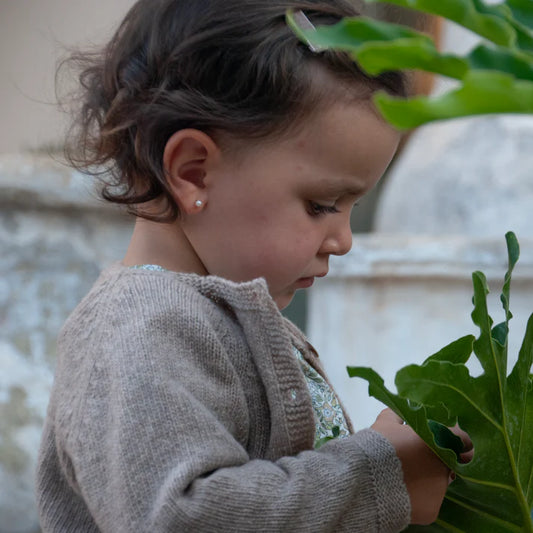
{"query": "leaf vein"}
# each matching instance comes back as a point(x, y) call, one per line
point(449, 526)
point(472, 403)
point(486, 483)
point(481, 512)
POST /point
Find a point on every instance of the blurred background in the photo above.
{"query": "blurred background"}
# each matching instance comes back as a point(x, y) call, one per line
point(403, 292)
point(34, 35)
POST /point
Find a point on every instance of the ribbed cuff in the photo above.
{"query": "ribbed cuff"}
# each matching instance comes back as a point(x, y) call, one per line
point(392, 498)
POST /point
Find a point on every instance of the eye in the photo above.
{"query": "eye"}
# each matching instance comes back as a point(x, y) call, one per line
point(317, 210)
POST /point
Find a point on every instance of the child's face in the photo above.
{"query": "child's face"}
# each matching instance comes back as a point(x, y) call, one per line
point(280, 210)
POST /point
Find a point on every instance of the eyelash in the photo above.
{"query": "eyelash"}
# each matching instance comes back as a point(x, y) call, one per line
point(316, 210)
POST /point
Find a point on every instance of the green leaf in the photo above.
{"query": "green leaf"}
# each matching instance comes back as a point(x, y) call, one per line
point(496, 75)
point(513, 62)
point(335, 432)
point(482, 92)
point(433, 528)
point(408, 54)
point(350, 33)
point(485, 22)
point(456, 352)
point(500, 333)
point(494, 492)
point(518, 14)
point(445, 438)
point(497, 78)
point(412, 414)
point(484, 347)
point(522, 10)
point(378, 46)
point(519, 415)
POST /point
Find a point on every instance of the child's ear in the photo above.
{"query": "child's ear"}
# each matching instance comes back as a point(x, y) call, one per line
point(189, 155)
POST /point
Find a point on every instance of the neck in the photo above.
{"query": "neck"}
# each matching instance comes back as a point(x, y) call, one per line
point(165, 245)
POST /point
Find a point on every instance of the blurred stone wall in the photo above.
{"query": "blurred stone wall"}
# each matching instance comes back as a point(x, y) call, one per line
point(34, 36)
point(54, 239)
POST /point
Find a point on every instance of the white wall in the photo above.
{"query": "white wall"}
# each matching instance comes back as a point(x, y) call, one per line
point(33, 35)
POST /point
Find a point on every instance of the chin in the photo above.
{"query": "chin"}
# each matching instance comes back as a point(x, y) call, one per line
point(283, 301)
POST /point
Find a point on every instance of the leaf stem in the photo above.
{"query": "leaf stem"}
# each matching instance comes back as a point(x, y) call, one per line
point(526, 512)
point(529, 486)
point(485, 327)
point(449, 527)
point(516, 490)
point(485, 483)
point(522, 501)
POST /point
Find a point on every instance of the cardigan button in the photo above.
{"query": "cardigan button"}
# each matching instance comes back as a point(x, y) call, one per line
point(294, 394)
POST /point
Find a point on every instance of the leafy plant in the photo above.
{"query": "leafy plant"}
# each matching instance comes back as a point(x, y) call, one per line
point(494, 492)
point(495, 77)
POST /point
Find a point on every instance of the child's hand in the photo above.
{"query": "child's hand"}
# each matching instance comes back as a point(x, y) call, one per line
point(425, 475)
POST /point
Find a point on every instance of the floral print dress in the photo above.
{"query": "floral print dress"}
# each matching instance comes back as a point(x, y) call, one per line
point(329, 417)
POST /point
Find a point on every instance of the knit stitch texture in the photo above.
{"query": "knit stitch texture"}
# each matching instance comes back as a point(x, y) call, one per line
point(178, 406)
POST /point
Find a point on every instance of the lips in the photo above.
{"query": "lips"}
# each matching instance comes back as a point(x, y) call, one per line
point(304, 283)
point(308, 281)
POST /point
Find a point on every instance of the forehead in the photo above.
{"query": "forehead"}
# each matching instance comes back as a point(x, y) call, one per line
point(352, 128)
point(340, 149)
point(348, 142)
point(354, 122)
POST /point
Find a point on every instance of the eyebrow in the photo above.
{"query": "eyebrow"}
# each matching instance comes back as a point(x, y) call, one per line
point(344, 187)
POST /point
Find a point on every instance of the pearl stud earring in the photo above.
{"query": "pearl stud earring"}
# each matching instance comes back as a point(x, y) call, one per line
point(198, 203)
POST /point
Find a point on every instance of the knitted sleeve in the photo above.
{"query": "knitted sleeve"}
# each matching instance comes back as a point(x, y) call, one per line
point(152, 436)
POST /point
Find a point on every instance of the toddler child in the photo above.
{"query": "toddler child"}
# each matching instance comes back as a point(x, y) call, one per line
point(183, 400)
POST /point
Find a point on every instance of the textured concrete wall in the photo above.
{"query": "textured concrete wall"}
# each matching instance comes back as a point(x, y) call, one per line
point(54, 239)
point(468, 177)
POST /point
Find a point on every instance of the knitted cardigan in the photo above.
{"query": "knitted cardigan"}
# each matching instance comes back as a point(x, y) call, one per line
point(178, 406)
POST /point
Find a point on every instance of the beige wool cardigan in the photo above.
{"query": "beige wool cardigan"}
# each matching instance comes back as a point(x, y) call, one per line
point(178, 406)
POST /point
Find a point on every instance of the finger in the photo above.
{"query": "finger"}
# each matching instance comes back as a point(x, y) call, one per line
point(466, 457)
point(467, 441)
point(388, 415)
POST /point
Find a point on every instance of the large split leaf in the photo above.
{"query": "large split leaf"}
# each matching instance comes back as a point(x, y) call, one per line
point(495, 77)
point(482, 93)
point(487, 21)
point(508, 23)
point(378, 46)
point(522, 10)
point(512, 62)
point(494, 492)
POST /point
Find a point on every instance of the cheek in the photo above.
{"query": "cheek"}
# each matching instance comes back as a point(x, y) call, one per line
point(277, 256)
point(260, 239)
point(285, 255)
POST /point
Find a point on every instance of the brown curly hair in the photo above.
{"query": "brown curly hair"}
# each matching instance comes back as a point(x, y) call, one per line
point(220, 66)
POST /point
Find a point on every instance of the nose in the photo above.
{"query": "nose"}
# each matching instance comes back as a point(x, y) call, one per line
point(338, 240)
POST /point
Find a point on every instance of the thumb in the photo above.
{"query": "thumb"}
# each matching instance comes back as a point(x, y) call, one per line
point(389, 416)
